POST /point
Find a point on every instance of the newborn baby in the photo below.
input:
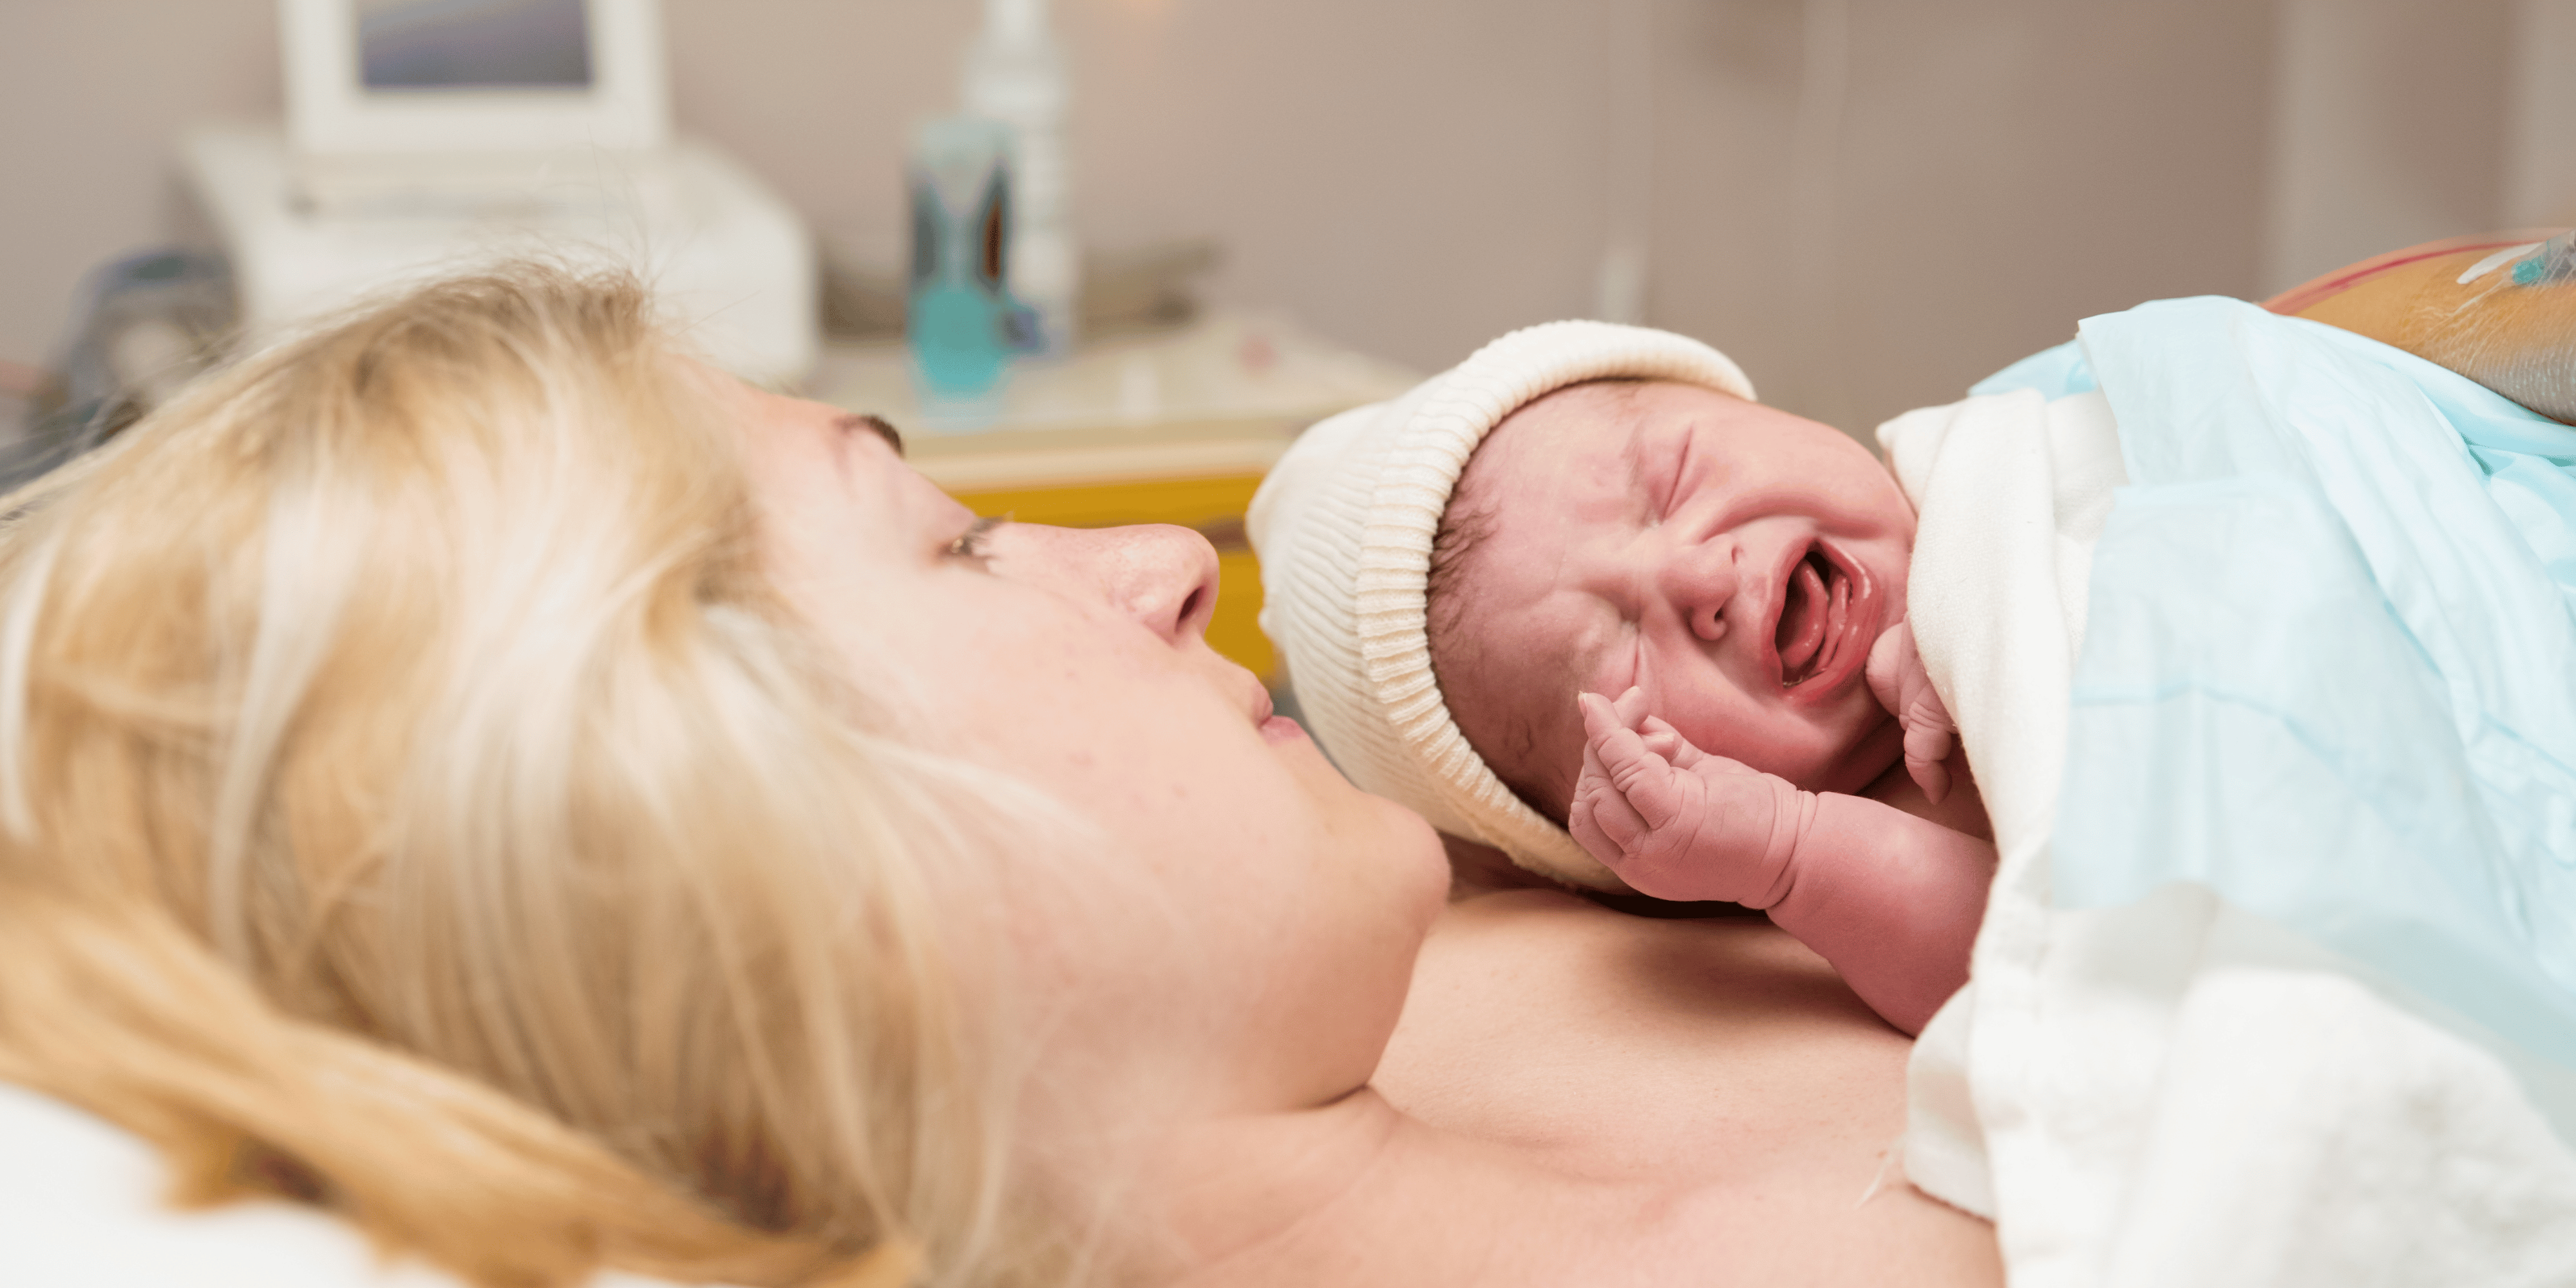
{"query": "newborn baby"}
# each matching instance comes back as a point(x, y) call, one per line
point(1461, 580)
point(1736, 575)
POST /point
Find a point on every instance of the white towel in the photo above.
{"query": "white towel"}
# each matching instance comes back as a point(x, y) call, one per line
point(2174, 1092)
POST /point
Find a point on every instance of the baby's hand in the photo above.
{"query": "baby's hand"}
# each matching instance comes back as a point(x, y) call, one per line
point(1897, 677)
point(1673, 821)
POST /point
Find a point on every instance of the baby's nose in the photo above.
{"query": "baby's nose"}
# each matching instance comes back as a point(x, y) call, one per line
point(1700, 581)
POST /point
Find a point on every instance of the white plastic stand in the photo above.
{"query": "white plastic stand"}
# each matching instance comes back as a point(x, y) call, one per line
point(732, 263)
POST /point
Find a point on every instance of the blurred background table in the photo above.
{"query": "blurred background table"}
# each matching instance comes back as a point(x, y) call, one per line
point(1173, 426)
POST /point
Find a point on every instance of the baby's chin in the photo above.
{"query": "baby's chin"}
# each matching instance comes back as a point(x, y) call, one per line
point(1852, 742)
point(1873, 754)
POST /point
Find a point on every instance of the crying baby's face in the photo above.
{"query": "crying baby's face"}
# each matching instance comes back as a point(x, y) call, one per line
point(1733, 560)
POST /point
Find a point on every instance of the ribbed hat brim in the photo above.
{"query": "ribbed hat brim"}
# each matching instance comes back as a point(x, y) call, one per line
point(1344, 525)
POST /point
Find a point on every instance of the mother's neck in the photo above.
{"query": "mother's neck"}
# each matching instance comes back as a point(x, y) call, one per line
point(1355, 1192)
point(1240, 1193)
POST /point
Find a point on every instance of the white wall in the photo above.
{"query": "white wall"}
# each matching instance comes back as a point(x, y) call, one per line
point(2540, 158)
point(2392, 124)
point(1412, 177)
point(1416, 176)
point(91, 94)
point(2002, 169)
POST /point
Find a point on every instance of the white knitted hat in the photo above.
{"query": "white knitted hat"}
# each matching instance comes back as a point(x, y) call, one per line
point(1343, 525)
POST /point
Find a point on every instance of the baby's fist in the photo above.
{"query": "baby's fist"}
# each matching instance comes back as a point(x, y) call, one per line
point(1897, 679)
point(1673, 821)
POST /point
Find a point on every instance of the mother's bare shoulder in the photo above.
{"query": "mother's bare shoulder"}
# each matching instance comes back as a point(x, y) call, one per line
point(1538, 1013)
point(1532, 949)
point(1715, 1069)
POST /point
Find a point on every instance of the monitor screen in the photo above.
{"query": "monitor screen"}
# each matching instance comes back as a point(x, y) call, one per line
point(473, 44)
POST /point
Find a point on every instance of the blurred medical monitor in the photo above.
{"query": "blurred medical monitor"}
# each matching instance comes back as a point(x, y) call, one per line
point(473, 44)
point(473, 76)
point(427, 137)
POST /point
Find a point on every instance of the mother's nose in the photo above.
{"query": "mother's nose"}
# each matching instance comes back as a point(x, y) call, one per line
point(1162, 577)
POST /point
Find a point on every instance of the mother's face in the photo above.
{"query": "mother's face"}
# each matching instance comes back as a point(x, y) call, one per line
point(1288, 904)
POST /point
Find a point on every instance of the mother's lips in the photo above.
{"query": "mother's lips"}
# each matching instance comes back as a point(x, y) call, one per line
point(1274, 727)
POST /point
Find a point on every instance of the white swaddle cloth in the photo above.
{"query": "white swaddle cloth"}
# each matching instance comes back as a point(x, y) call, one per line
point(84, 1204)
point(2173, 1090)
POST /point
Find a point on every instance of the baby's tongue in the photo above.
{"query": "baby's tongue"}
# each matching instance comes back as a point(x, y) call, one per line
point(1802, 623)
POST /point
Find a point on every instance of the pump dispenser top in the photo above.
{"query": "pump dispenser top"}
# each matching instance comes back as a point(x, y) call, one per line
point(1014, 75)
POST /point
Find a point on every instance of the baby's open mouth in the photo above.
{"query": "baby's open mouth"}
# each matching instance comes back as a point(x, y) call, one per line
point(1811, 621)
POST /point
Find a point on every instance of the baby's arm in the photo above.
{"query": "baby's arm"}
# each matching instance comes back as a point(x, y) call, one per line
point(1892, 900)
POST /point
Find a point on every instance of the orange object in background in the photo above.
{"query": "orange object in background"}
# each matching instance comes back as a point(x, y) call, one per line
point(2499, 309)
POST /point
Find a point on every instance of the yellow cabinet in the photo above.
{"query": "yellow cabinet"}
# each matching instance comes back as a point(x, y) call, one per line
point(1211, 504)
point(1175, 427)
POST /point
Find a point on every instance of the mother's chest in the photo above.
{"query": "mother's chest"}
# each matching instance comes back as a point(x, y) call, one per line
point(1620, 1046)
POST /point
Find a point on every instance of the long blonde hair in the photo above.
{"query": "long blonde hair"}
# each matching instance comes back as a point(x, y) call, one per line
point(413, 800)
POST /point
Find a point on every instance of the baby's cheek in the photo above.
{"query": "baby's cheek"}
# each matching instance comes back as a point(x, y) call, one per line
point(1793, 749)
point(1540, 770)
point(1552, 792)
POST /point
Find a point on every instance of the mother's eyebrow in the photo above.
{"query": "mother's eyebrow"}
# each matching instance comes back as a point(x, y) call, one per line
point(883, 430)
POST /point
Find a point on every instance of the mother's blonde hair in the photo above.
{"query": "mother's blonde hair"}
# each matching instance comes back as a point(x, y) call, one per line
point(413, 800)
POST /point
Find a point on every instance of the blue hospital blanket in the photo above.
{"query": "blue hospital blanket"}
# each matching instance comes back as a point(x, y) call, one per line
point(2329, 665)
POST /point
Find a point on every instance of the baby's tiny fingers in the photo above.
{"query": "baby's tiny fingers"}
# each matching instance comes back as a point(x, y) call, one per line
point(1599, 720)
point(1650, 785)
point(1600, 820)
point(1927, 753)
point(1615, 827)
point(1586, 829)
point(1592, 766)
point(1631, 706)
point(1625, 757)
point(1885, 669)
point(1668, 742)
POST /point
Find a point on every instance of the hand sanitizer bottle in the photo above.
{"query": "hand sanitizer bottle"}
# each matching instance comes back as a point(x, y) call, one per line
point(1015, 76)
point(960, 319)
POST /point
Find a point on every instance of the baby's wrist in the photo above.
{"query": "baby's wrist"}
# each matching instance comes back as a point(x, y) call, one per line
point(1793, 821)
